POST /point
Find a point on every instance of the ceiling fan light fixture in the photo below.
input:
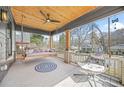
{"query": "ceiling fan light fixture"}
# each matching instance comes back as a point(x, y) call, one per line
point(48, 20)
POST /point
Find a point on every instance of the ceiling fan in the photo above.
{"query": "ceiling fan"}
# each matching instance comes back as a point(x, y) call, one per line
point(48, 19)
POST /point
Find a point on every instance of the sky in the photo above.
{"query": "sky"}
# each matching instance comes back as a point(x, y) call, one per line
point(103, 23)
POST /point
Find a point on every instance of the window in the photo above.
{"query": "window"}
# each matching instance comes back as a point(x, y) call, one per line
point(9, 40)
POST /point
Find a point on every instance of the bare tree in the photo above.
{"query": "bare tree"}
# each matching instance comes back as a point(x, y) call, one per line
point(81, 33)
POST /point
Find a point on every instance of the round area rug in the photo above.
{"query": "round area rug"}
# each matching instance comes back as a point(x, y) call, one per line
point(45, 67)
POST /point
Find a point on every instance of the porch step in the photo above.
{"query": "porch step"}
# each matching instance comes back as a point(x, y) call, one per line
point(110, 77)
point(112, 83)
point(110, 80)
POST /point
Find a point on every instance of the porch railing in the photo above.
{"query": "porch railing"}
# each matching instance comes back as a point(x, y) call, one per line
point(116, 67)
point(60, 54)
point(78, 57)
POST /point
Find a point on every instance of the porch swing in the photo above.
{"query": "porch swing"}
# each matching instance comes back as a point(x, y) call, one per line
point(22, 54)
point(95, 63)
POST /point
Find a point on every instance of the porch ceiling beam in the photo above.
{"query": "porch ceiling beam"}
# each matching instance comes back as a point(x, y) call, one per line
point(98, 13)
point(31, 30)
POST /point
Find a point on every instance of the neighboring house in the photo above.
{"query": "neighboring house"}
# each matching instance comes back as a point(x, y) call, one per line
point(86, 48)
point(117, 49)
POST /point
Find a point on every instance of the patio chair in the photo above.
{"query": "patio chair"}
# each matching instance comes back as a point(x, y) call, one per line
point(93, 65)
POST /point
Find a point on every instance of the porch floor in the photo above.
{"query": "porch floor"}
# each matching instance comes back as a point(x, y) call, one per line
point(23, 74)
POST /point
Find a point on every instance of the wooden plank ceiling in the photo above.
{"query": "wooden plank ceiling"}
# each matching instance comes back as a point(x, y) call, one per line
point(33, 17)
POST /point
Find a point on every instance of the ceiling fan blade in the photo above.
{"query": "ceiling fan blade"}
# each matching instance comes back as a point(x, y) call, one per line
point(43, 14)
point(57, 21)
point(48, 16)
